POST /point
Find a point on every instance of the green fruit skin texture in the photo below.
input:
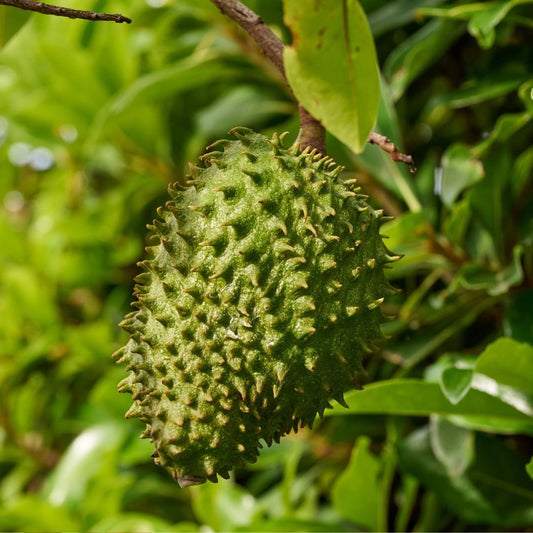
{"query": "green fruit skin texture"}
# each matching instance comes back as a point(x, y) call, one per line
point(260, 295)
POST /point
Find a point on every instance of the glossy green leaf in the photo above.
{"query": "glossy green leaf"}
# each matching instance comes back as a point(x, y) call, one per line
point(452, 445)
point(495, 489)
point(357, 492)
point(508, 362)
point(413, 397)
point(332, 53)
point(455, 383)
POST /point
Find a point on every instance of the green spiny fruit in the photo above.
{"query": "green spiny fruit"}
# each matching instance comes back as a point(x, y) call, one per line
point(260, 296)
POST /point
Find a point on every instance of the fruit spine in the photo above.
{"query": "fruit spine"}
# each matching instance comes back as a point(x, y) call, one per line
point(260, 296)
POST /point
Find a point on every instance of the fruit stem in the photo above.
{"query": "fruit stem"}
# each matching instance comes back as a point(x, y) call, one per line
point(312, 133)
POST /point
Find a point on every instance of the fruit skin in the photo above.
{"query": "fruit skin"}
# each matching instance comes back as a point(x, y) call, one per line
point(260, 295)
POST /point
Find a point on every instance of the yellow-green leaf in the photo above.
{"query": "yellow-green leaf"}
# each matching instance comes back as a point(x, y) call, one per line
point(332, 66)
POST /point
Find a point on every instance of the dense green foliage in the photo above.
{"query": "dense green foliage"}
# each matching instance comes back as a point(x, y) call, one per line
point(97, 119)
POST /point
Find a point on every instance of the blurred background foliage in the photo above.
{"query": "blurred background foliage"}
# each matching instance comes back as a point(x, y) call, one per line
point(97, 118)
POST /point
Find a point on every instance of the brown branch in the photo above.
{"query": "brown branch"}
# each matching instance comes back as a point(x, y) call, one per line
point(47, 9)
point(255, 26)
point(388, 146)
point(312, 132)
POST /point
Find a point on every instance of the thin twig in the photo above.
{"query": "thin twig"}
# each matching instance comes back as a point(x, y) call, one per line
point(312, 133)
point(58, 11)
point(388, 146)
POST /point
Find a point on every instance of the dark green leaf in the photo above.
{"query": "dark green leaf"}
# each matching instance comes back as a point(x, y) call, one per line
point(529, 468)
point(518, 320)
point(418, 52)
point(494, 490)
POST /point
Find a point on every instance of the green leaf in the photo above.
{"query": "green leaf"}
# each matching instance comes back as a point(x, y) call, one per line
point(508, 362)
point(184, 75)
point(506, 126)
point(223, 506)
point(475, 277)
point(68, 484)
point(137, 522)
point(494, 489)
point(482, 17)
point(285, 525)
point(414, 397)
point(357, 492)
point(518, 318)
point(460, 170)
point(414, 55)
point(30, 513)
point(473, 92)
point(482, 24)
point(455, 383)
point(489, 197)
point(452, 445)
point(457, 222)
point(11, 21)
point(529, 468)
point(332, 66)
point(394, 14)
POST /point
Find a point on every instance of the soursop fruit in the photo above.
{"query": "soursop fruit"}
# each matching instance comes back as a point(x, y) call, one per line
point(260, 295)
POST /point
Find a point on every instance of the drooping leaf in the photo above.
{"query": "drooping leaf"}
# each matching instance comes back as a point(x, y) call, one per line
point(332, 66)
